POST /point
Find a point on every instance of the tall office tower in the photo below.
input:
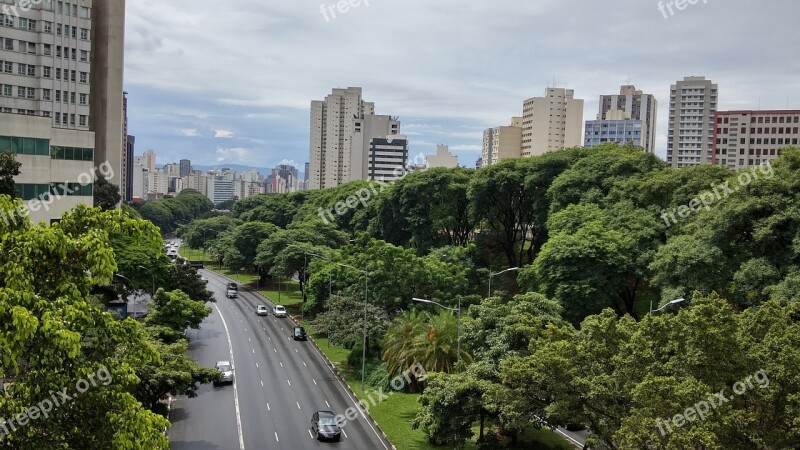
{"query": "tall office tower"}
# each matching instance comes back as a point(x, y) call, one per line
point(60, 64)
point(149, 160)
point(502, 143)
point(632, 104)
point(690, 139)
point(553, 122)
point(745, 139)
point(130, 144)
point(388, 158)
point(333, 124)
point(366, 130)
point(185, 167)
point(305, 177)
point(127, 157)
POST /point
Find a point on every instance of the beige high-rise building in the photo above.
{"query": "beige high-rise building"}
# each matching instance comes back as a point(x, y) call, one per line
point(61, 101)
point(368, 129)
point(333, 124)
point(502, 143)
point(690, 138)
point(552, 122)
point(149, 160)
point(442, 158)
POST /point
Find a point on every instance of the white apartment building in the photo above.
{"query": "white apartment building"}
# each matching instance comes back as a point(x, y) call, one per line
point(158, 182)
point(219, 190)
point(61, 100)
point(632, 104)
point(333, 124)
point(553, 122)
point(366, 130)
point(141, 181)
point(692, 105)
point(442, 158)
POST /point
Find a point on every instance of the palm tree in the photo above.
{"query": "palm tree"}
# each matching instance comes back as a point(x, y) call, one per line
point(399, 342)
point(437, 347)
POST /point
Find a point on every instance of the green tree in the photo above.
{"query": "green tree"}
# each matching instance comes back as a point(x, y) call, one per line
point(106, 195)
point(174, 312)
point(9, 168)
point(159, 214)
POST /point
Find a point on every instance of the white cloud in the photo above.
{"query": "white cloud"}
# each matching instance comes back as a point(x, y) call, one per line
point(233, 155)
point(189, 132)
point(223, 134)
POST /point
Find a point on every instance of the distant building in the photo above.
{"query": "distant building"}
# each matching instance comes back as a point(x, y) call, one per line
point(479, 163)
point(632, 104)
point(388, 158)
point(692, 105)
point(284, 179)
point(613, 131)
point(149, 160)
point(130, 144)
point(550, 123)
point(442, 158)
point(219, 190)
point(367, 130)
point(185, 167)
point(750, 138)
point(502, 143)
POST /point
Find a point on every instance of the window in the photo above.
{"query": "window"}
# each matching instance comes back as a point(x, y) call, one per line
point(58, 98)
point(84, 77)
point(31, 94)
point(64, 119)
point(82, 120)
point(21, 68)
point(75, 10)
point(74, 32)
point(83, 98)
point(46, 94)
point(31, 48)
point(58, 116)
point(7, 90)
point(7, 20)
point(20, 92)
point(58, 51)
point(58, 73)
point(65, 96)
point(25, 146)
point(47, 49)
point(84, 55)
point(31, 25)
point(72, 119)
point(23, 23)
point(47, 27)
point(9, 44)
point(72, 97)
point(58, 29)
point(75, 53)
point(31, 71)
point(84, 34)
point(85, 13)
point(60, 7)
point(8, 67)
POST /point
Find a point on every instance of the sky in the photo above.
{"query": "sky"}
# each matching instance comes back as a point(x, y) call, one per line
point(230, 82)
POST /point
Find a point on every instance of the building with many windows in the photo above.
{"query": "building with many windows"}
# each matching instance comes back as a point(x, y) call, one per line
point(501, 143)
point(630, 104)
point(692, 105)
point(751, 138)
point(550, 123)
point(388, 158)
point(61, 100)
point(613, 131)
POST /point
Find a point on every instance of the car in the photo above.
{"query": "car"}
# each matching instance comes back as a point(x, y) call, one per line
point(226, 369)
point(203, 279)
point(233, 286)
point(279, 311)
point(324, 426)
point(299, 333)
point(262, 310)
point(232, 293)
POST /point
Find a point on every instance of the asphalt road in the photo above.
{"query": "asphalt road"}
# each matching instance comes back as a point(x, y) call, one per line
point(279, 384)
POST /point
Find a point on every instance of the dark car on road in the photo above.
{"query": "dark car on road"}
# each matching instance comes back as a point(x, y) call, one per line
point(299, 334)
point(324, 426)
point(233, 286)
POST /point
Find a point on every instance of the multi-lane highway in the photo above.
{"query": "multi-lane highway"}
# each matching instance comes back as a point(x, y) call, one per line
point(279, 384)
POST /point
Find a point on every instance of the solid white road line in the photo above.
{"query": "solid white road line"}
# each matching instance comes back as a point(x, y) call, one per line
point(290, 383)
point(570, 438)
point(315, 382)
point(326, 402)
point(268, 408)
point(235, 391)
point(310, 435)
point(280, 363)
point(298, 405)
point(345, 434)
point(276, 437)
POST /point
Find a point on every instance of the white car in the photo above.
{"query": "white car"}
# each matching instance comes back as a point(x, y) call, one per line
point(226, 369)
point(261, 310)
point(232, 293)
point(279, 311)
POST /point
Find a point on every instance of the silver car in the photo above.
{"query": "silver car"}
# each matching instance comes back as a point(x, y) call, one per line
point(262, 310)
point(226, 369)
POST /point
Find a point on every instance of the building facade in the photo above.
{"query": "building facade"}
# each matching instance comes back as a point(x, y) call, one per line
point(333, 123)
point(632, 104)
point(442, 158)
point(367, 129)
point(690, 138)
point(185, 168)
point(600, 132)
point(388, 158)
point(550, 123)
point(502, 143)
point(60, 66)
point(751, 138)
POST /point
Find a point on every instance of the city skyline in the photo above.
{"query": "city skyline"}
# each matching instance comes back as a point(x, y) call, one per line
point(448, 94)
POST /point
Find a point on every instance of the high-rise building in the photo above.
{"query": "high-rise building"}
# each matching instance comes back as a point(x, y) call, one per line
point(127, 154)
point(751, 138)
point(62, 65)
point(149, 160)
point(502, 143)
point(284, 179)
point(553, 122)
point(690, 139)
point(632, 104)
point(388, 158)
point(130, 144)
point(333, 124)
point(367, 129)
point(442, 158)
point(140, 181)
point(185, 167)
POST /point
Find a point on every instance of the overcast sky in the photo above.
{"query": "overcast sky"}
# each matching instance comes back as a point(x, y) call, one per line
point(230, 82)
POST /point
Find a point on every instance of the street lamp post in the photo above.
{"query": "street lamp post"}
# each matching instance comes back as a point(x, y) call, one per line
point(492, 275)
point(673, 302)
point(154, 280)
point(458, 324)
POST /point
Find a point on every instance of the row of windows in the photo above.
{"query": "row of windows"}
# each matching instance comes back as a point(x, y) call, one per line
point(72, 153)
point(775, 130)
point(64, 119)
point(7, 90)
point(61, 7)
point(47, 72)
point(44, 191)
point(47, 49)
point(773, 141)
point(762, 119)
point(25, 146)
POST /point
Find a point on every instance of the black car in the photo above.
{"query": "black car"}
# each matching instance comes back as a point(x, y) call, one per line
point(299, 334)
point(233, 286)
point(324, 426)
